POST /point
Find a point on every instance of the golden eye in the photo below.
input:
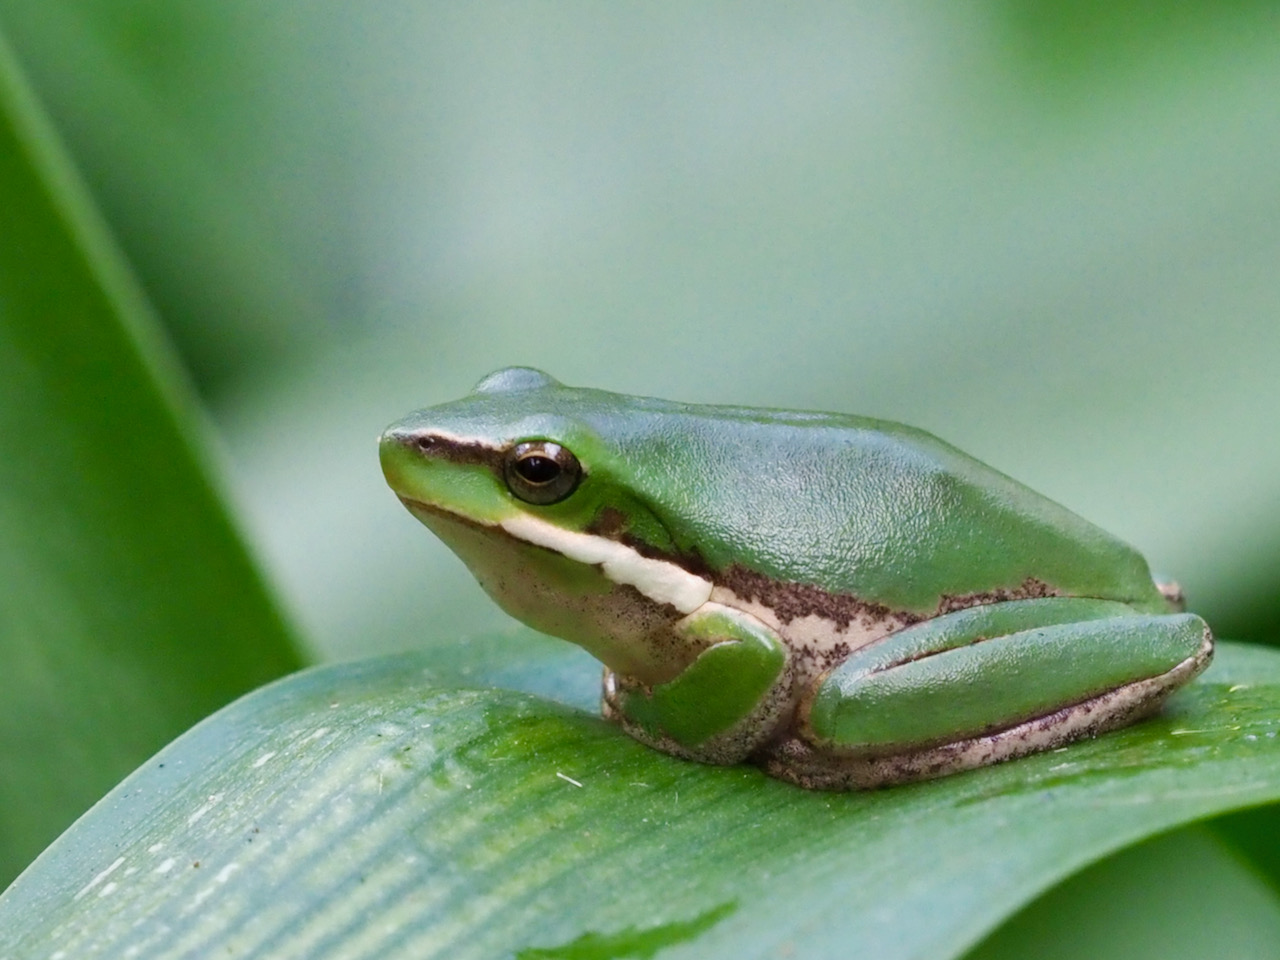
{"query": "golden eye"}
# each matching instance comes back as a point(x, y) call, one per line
point(541, 472)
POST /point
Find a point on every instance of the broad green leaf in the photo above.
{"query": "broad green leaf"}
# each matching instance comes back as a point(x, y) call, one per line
point(1182, 896)
point(362, 810)
point(128, 606)
point(206, 131)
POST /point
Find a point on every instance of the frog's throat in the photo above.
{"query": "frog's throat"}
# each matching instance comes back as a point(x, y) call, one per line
point(659, 580)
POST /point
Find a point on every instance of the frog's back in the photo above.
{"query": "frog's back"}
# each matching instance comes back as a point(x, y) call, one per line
point(878, 510)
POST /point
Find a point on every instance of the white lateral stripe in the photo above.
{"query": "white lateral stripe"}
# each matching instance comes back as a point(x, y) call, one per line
point(658, 580)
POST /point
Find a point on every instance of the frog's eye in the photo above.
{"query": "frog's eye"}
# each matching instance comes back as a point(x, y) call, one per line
point(541, 472)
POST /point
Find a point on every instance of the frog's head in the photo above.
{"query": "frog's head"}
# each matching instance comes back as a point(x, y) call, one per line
point(528, 482)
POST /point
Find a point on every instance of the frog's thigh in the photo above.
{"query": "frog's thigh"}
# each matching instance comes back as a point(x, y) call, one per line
point(984, 670)
point(728, 683)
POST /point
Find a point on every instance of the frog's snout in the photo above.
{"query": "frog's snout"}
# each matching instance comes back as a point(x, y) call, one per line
point(398, 450)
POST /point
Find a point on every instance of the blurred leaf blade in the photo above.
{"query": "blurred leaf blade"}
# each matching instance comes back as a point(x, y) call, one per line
point(183, 120)
point(128, 605)
point(1180, 896)
point(358, 809)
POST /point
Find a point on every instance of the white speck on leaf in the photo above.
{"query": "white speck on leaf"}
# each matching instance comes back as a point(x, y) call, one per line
point(208, 805)
point(202, 896)
point(568, 779)
point(99, 878)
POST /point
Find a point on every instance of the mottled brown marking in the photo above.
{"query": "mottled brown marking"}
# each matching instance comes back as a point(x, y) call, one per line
point(1029, 589)
point(791, 601)
point(610, 523)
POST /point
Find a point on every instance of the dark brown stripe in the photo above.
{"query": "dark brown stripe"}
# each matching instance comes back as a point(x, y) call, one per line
point(792, 601)
point(435, 447)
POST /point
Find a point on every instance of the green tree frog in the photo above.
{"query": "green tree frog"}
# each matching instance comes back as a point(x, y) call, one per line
point(847, 602)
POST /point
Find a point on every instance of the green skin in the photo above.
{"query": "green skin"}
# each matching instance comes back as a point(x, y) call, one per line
point(847, 602)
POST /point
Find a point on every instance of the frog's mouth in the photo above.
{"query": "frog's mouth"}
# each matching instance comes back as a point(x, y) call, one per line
point(659, 580)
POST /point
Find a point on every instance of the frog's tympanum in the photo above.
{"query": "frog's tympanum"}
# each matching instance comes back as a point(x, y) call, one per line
point(846, 602)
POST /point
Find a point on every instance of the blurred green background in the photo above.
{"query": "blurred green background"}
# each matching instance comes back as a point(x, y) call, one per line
point(1048, 232)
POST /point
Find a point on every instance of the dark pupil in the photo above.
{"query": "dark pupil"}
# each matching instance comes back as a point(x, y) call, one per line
point(538, 469)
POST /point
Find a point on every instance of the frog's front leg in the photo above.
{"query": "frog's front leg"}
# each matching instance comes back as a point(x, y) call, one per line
point(724, 704)
point(986, 684)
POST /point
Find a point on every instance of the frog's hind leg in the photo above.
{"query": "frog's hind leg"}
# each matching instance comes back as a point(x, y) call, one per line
point(987, 684)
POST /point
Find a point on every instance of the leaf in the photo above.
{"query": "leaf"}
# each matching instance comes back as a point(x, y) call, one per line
point(1180, 896)
point(128, 606)
point(197, 127)
point(361, 810)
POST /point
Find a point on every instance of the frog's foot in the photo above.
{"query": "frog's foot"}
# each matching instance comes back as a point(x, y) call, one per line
point(721, 707)
point(987, 684)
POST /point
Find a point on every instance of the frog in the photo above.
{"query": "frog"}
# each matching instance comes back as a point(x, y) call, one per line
point(846, 602)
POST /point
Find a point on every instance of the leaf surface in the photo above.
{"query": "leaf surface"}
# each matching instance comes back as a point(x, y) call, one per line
point(362, 810)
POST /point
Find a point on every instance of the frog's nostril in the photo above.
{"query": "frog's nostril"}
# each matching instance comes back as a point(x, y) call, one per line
point(413, 440)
